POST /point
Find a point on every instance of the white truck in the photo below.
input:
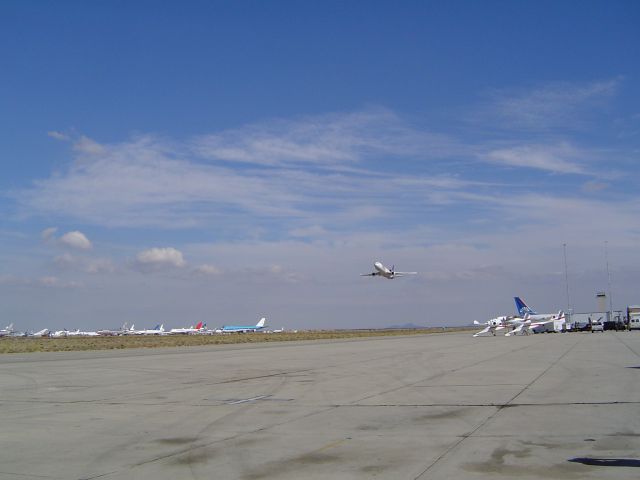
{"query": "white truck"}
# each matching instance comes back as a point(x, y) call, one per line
point(633, 315)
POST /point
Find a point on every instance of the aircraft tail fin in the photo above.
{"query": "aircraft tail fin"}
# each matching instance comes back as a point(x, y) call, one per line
point(261, 322)
point(199, 326)
point(522, 308)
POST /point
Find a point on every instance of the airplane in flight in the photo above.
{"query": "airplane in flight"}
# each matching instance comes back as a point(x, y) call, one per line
point(244, 328)
point(185, 331)
point(382, 271)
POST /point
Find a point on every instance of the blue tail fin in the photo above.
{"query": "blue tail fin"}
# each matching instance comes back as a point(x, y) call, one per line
point(522, 308)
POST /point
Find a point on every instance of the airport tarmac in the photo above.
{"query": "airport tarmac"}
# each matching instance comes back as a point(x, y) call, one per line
point(560, 406)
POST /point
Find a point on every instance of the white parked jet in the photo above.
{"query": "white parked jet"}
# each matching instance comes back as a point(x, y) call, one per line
point(157, 330)
point(382, 271)
point(79, 333)
point(42, 333)
point(8, 330)
point(200, 327)
point(534, 318)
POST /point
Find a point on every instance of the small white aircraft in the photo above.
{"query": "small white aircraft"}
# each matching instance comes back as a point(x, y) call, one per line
point(8, 330)
point(495, 324)
point(382, 271)
point(534, 318)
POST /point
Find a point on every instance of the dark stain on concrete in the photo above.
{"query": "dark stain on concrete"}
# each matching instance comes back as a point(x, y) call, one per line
point(177, 440)
point(442, 415)
point(497, 465)
point(368, 428)
point(292, 464)
point(200, 456)
point(374, 469)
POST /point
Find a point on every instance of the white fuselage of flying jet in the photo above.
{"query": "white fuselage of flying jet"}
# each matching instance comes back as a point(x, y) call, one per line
point(381, 271)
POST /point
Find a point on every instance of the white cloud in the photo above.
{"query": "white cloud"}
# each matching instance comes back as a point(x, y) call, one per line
point(297, 169)
point(45, 281)
point(160, 257)
point(325, 140)
point(75, 239)
point(55, 282)
point(207, 269)
point(561, 158)
point(58, 135)
point(88, 146)
point(48, 233)
point(554, 105)
point(67, 261)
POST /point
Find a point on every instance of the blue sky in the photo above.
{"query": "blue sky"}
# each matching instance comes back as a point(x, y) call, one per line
point(219, 161)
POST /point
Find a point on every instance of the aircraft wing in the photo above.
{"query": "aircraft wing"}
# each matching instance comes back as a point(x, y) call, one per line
point(482, 332)
point(369, 274)
point(519, 329)
point(542, 322)
point(402, 274)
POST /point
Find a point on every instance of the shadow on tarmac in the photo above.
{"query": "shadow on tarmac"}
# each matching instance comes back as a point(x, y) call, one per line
point(607, 462)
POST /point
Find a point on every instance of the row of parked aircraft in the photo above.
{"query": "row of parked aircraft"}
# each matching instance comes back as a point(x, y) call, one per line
point(380, 270)
point(526, 321)
point(199, 329)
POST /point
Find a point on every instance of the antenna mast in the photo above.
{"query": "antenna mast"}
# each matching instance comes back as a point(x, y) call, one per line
point(566, 276)
point(606, 256)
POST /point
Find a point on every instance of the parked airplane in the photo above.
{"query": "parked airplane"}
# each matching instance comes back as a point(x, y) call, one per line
point(536, 319)
point(524, 309)
point(493, 325)
point(79, 333)
point(42, 333)
point(112, 333)
point(382, 271)
point(244, 328)
point(8, 330)
point(197, 329)
point(157, 330)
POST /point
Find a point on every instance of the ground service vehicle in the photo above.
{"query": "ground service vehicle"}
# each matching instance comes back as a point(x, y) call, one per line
point(633, 316)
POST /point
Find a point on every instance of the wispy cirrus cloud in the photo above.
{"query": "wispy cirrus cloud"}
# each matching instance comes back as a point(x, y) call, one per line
point(326, 140)
point(39, 282)
point(283, 170)
point(308, 176)
point(66, 261)
point(557, 105)
point(560, 158)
